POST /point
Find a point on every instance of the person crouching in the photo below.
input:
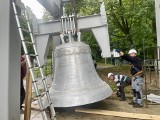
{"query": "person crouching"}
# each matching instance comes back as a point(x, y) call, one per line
point(121, 81)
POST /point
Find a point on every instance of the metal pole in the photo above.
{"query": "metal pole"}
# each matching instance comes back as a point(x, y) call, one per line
point(144, 56)
point(105, 60)
point(157, 11)
point(73, 2)
point(62, 38)
point(65, 24)
point(62, 24)
point(79, 36)
point(74, 27)
point(158, 60)
point(71, 25)
point(70, 36)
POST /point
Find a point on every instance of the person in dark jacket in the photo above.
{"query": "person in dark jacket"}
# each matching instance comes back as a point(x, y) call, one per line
point(23, 73)
point(137, 78)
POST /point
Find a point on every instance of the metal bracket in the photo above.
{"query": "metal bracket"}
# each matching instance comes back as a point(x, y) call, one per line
point(103, 13)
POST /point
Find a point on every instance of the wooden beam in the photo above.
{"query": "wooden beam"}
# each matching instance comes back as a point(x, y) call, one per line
point(120, 114)
point(28, 100)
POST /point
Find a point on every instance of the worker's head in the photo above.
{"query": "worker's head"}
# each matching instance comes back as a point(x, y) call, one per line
point(110, 76)
point(132, 52)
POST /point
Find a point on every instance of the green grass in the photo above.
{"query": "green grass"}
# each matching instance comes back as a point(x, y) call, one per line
point(103, 64)
point(125, 70)
point(47, 70)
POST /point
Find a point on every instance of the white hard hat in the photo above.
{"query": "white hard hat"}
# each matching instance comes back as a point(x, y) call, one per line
point(109, 74)
point(132, 51)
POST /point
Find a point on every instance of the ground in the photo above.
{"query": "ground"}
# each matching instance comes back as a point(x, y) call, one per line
point(112, 103)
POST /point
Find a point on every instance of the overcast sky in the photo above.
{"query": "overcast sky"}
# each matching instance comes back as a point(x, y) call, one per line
point(36, 7)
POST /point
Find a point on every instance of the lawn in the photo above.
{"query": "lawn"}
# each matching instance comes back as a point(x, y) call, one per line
point(47, 69)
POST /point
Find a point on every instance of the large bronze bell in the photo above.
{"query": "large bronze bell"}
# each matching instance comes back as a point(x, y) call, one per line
point(76, 81)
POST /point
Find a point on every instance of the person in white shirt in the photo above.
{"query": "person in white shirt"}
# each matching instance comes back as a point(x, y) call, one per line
point(121, 81)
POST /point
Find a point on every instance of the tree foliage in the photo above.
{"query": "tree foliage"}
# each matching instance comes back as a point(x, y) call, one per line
point(46, 16)
point(26, 35)
point(130, 22)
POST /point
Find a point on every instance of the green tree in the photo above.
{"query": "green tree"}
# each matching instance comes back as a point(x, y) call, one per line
point(23, 22)
point(46, 16)
point(130, 22)
point(84, 8)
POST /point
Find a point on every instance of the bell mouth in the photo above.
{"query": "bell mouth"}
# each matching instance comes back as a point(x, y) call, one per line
point(87, 96)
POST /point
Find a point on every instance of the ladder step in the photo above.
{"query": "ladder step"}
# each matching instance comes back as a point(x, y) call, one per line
point(29, 42)
point(41, 94)
point(36, 67)
point(27, 31)
point(33, 55)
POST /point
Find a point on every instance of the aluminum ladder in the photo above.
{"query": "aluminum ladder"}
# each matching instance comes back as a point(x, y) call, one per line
point(34, 81)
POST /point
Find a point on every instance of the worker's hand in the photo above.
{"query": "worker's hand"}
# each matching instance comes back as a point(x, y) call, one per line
point(121, 53)
point(24, 57)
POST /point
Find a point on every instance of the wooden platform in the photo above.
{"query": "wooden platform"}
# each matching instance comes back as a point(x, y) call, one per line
point(120, 114)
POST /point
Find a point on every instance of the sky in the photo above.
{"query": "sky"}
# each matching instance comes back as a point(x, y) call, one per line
point(36, 7)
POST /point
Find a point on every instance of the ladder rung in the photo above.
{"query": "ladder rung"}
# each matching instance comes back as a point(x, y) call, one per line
point(33, 55)
point(26, 31)
point(36, 67)
point(28, 42)
point(41, 94)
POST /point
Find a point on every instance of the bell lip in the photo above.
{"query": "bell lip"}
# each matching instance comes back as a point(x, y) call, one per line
point(84, 100)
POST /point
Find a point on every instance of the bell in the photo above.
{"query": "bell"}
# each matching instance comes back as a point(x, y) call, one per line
point(76, 81)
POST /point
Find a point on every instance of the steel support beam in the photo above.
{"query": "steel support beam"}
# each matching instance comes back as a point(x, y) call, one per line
point(53, 6)
point(93, 23)
point(84, 23)
point(42, 44)
point(157, 9)
point(10, 64)
point(102, 37)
